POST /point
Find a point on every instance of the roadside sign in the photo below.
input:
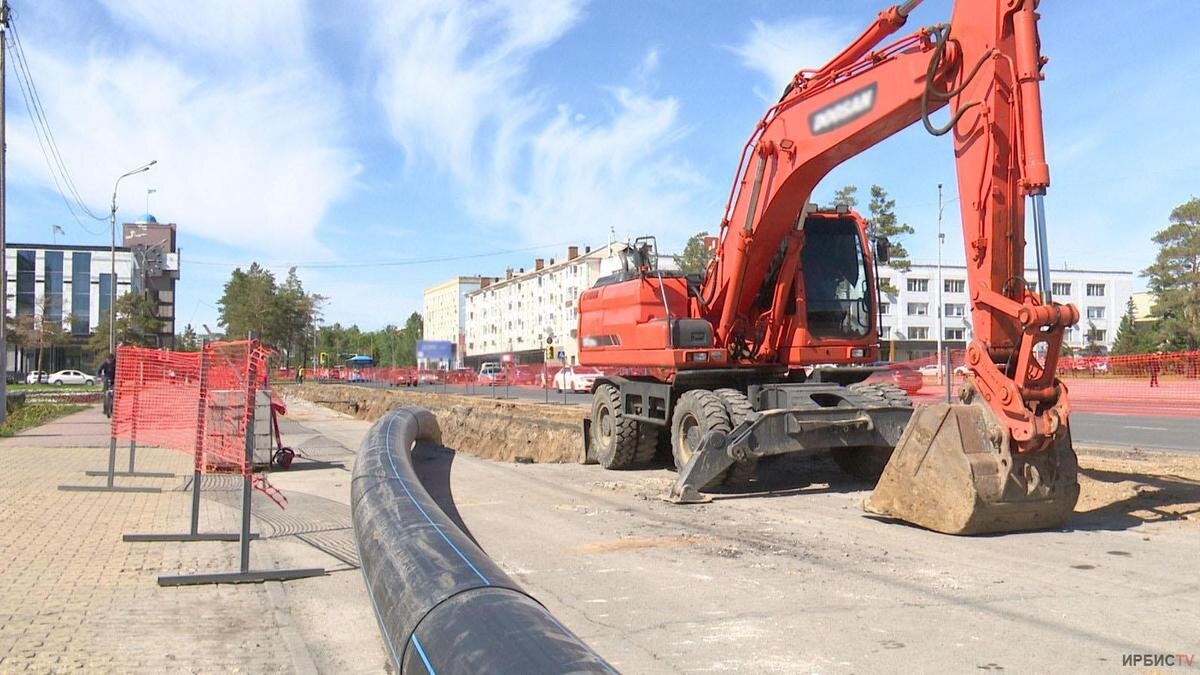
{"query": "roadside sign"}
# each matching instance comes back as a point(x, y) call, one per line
point(506, 358)
point(562, 355)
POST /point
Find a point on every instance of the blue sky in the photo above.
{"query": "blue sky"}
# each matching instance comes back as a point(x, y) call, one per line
point(338, 135)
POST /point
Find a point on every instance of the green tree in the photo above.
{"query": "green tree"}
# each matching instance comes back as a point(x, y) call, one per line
point(1175, 279)
point(248, 304)
point(845, 195)
point(1132, 338)
point(882, 223)
point(188, 341)
point(135, 322)
point(695, 256)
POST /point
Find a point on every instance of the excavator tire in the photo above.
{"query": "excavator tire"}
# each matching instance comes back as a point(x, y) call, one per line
point(615, 438)
point(739, 408)
point(955, 471)
point(867, 462)
point(647, 444)
point(697, 412)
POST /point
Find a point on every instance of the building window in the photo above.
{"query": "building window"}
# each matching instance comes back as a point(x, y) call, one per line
point(918, 308)
point(26, 260)
point(956, 309)
point(1032, 286)
point(885, 308)
point(918, 285)
point(1095, 290)
point(954, 333)
point(106, 286)
point(955, 286)
point(1095, 312)
point(1060, 288)
point(52, 286)
point(885, 281)
point(885, 333)
point(81, 292)
point(1097, 335)
point(918, 333)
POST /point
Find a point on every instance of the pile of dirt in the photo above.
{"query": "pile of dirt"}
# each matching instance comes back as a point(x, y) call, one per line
point(504, 430)
point(1139, 487)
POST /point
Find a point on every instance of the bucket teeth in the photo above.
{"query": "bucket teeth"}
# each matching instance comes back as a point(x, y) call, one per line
point(953, 472)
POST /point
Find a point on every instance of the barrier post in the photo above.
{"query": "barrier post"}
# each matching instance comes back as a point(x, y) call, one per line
point(949, 378)
point(111, 472)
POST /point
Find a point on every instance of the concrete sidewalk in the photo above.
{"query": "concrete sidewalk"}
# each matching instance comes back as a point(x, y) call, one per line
point(73, 595)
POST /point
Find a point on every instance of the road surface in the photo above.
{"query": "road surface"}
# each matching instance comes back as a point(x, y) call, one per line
point(795, 578)
point(1089, 429)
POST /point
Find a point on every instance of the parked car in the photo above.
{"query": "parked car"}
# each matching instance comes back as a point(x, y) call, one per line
point(70, 377)
point(576, 378)
point(491, 374)
point(906, 378)
point(430, 377)
point(405, 378)
point(356, 376)
point(35, 377)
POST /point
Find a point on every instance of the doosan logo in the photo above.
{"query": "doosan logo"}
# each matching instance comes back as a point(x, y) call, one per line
point(846, 110)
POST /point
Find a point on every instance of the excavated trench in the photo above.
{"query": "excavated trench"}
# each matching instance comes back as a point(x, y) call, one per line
point(503, 430)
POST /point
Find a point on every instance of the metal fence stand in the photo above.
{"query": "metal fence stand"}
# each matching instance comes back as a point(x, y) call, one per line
point(195, 534)
point(111, 473)
point(244, 574)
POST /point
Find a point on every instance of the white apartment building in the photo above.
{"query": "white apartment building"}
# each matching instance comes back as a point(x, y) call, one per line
point(528, 311)
point(910, 316)
point(444, 312)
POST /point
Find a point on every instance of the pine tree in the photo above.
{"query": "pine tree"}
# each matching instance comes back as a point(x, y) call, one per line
point(1132, 338)
point(695, 256)
point(1175, 279)
point(883, 224)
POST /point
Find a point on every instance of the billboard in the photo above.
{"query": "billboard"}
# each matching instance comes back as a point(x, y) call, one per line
point(435, 350)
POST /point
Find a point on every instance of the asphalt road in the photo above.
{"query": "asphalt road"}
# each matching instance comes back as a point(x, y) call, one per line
point(796, 578)
point(1089, 429)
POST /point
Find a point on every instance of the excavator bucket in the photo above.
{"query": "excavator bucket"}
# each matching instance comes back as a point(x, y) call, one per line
point(953, 472)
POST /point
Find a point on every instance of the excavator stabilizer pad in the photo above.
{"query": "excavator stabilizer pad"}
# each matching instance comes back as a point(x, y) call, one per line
point(953, 472)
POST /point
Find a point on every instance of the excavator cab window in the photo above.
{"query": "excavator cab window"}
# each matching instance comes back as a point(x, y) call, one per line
point(836, 282)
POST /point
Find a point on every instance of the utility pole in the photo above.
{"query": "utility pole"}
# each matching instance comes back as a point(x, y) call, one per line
point(941, 329)
point(3, 235)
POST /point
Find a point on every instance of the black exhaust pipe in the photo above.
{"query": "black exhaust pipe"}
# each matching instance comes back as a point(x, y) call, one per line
point(443, 606)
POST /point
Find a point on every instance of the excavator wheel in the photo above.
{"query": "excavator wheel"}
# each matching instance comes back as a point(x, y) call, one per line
point(867, 462)
point(955, 471)
point(739, 408)
point(619, 442)
point(697, 412)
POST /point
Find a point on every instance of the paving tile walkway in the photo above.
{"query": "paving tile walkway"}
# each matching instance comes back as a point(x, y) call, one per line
point(74, 596)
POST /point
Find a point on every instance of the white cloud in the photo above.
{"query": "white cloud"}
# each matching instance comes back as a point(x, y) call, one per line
point(453, 85)
point(245, 159)
point(227, 28)
point(779, 50)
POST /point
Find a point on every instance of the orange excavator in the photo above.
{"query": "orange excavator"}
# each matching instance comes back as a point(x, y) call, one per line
point(766, 353)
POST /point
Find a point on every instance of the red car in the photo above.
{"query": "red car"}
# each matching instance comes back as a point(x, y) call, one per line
point(906, 378)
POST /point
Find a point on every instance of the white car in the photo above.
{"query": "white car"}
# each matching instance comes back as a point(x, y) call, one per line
point(35, 377)
point(70, 377)
point(576, 378)
point(931, 370)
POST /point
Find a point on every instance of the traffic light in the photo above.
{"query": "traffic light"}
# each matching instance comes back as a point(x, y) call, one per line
point(323, 358)
point(550, 353)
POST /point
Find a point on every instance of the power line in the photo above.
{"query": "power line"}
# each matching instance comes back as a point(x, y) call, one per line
point(45, 137)
point(380, 263)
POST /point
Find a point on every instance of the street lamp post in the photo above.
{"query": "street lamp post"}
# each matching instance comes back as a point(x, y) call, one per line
point(112, 278)
point(941, 329)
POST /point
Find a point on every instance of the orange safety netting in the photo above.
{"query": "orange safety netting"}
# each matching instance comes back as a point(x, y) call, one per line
point(156, 397)
point(1130, 384)
point(201, 403)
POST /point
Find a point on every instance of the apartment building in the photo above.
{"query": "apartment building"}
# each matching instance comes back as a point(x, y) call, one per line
point(525, 312)
point(910, 315)
point(444, 313)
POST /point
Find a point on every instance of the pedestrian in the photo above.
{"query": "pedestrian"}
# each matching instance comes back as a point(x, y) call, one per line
point(300, 375)
point(108, 371)
point(1155, 367)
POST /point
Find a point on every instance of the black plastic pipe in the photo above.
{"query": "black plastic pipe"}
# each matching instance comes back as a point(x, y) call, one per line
point(443, 606)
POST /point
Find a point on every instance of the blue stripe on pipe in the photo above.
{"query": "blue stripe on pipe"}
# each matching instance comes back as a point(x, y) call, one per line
point(387, 439)
point(421, 652)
